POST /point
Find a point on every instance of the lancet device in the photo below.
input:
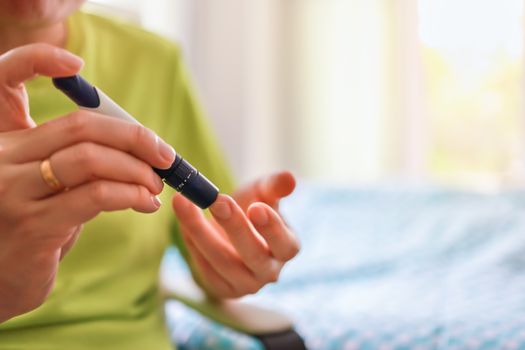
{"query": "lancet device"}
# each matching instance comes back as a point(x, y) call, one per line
point(182, 176)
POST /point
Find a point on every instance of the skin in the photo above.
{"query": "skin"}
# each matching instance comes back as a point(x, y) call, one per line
point(236, 252)
point(246, 243)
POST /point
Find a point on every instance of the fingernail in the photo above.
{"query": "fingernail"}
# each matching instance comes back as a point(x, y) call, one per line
point(156, 201)
point(221, 209)
point(166, 151)
point(68, 59)
point(260, 217)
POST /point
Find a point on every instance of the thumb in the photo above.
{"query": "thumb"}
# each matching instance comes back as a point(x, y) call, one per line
point(25, 62)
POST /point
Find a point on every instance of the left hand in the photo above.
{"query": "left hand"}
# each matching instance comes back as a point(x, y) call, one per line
point(246, 243)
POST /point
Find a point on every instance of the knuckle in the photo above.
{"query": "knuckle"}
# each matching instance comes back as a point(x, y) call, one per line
point(75, 123)
point(98, 192)
point(140, 135)
point(86, 154)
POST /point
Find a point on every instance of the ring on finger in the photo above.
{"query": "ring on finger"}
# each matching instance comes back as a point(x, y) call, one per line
point(49, 176)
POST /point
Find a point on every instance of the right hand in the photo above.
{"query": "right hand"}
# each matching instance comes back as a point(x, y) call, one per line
point(104, 162)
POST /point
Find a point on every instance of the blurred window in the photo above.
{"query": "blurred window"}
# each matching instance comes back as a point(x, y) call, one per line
point(358, 90)
point(472, 53)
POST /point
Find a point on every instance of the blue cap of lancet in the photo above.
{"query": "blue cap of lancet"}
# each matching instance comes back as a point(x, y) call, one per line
point(187, 180)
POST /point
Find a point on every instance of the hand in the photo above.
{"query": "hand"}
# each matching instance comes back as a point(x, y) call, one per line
point(104, 162)
point(246, 243)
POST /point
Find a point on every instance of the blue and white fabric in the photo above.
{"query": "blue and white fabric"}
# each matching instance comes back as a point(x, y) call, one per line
point(391, 269)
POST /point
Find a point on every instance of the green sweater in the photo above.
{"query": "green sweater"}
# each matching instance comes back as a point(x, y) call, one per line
point(106, 294)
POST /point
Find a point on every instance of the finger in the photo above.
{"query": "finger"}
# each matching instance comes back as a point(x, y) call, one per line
point(81, 204)
point(83, 126)
point(85, 162)
point(250, 246)
point(25, 62)
point(275, 187)
point(206, 274)
point(218, 252)
point(269, 190)
point(88, 161)
point(281, 241)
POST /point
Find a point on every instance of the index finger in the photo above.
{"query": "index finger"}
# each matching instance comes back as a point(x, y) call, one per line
point(83, 126)
point(23, 63)
point(247, 242)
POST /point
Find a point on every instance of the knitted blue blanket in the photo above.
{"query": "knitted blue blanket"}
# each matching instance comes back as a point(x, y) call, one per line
point(388, 268)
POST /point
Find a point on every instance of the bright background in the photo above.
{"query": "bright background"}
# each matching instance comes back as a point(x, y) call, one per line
point(357, 91)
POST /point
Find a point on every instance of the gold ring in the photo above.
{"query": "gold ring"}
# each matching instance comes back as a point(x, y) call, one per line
point(49, 176)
